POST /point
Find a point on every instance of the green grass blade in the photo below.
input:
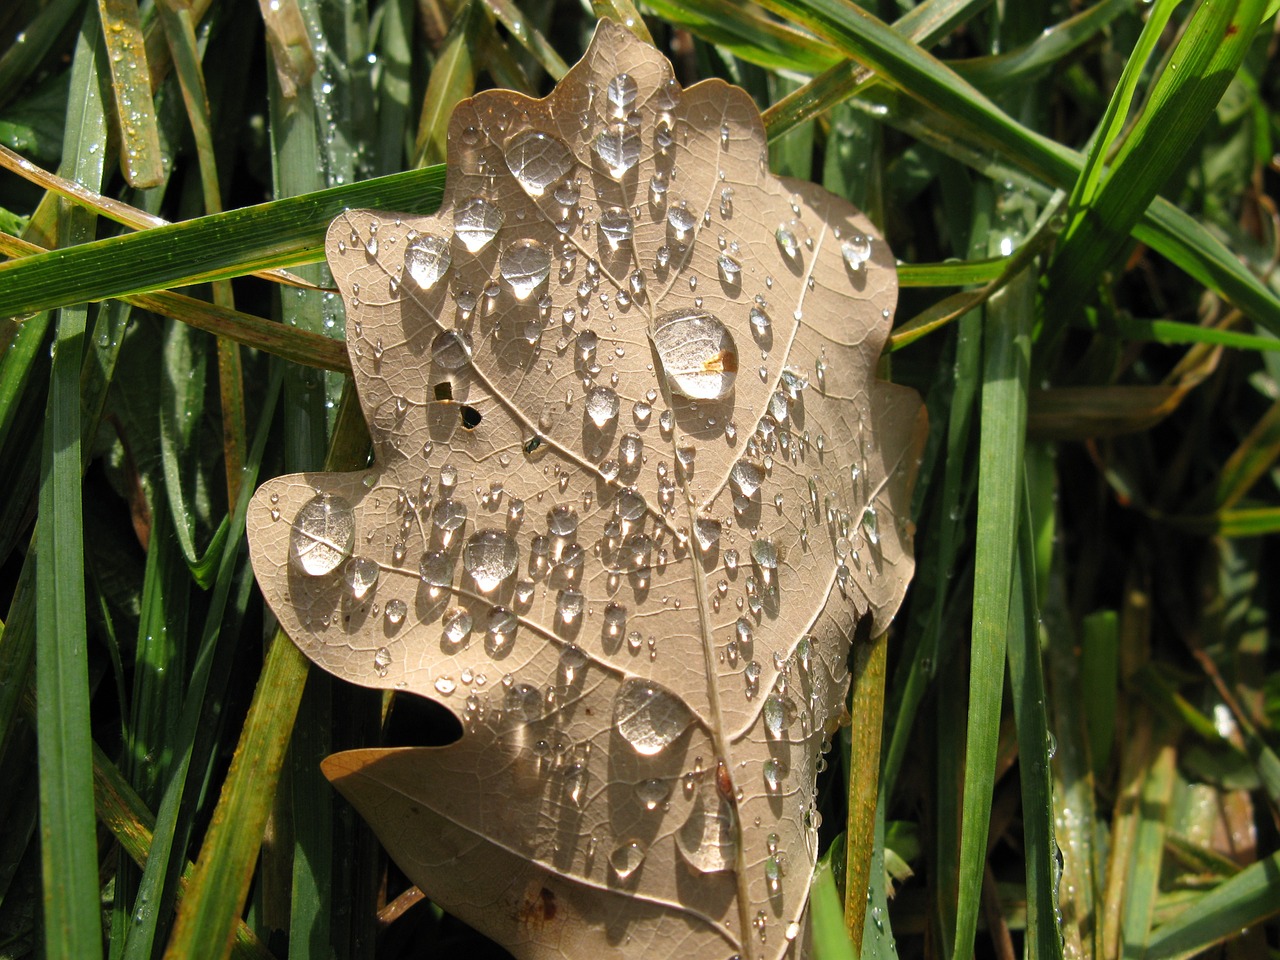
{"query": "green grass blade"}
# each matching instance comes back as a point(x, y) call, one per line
point(136, 126)
point(830, 941)
point(1247, 899)
point(1207, 56)
point(274, 234)
point(453, 78)
point(748, 35)
point(21, 59)
point(1004, 408)
point(1026, 680)
point(220, 882)
point(68, 843)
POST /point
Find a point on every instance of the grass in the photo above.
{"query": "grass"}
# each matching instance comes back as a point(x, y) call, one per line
point(1078, 702)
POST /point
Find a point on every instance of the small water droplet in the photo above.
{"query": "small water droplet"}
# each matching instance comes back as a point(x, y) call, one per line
point(396, 611)
point(618, 147)
point(490, 557)
point(361, 575)
point(856, 251)
point(602, 405)
point(382, 661)
point(653, 792)
point(626, 859)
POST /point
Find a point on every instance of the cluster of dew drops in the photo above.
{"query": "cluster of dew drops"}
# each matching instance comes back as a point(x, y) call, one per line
point(646, 715)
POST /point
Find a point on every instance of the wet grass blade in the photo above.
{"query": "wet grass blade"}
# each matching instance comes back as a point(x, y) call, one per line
point(1206, 58)
point(453, 78)
point(220, 883)
point(140, 157)
point(1246, 900)
point(1003, 426)
point(275, 234)
point(68, 843)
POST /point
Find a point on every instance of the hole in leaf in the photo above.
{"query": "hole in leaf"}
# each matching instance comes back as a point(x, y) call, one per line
point(444, 390)
point(470, 417)
point(419, 722)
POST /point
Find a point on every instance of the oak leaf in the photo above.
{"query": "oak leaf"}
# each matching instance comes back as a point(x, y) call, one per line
point(635, 485)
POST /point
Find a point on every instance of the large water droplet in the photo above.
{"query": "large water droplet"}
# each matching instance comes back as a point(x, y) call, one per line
point(708, 838)
point(436, 568)
point(537, 160)
point(697, 352)
point(500, 626)
point(648, 716)
point(361, 575)
point(426, 260)
point(602, 405)
point(382, 661)
point(775, 715)
point(451, 349)
point(626, 859)
point(490, 556)
point(448, 516)
point(630, 449)
point(457, 625)
point(773, 775)
point(525, 266)
point(618, 147)
point(523, 703)
point(476, 222)
point(707, 532)
point(323, 532)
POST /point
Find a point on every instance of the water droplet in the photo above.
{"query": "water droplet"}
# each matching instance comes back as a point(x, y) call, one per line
point(746, 477)
point(708, 838)
point(653, 792)
point(537, 160)
point(765, 556)
point(626, 859)
point(522, 702)
point(707, 532)
point(382, 661)
point(575, 783)
point(698, 354)
point(427, 259)
point(323, 532)
point(490, 556)
point(572, 660)
point(618, 147)
point(787, 242)
point(775, 715)
point(616, 226)
point(447, 517)
point(525, 266)
point(457, 625)
point(602, 405)
point(395, 612)
point(681, 223)
point(445, 685)
point(569, 605)
point(621, 94)
point(562, 521)
point(476, 222)
point(760, 323)
point(615, 621)
point(730, 271)
point(500, 627)
point(648, 716)
point(361, 575)
point(856, 251)
point(451, 349)
point(773, 775)
point(436, 568)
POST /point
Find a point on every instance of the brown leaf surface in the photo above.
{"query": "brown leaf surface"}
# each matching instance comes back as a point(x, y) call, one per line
point(635, 484)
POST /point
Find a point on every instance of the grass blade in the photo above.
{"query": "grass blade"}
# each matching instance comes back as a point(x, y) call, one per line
point(68, 842)
point(1003, 427)
point(131, 82)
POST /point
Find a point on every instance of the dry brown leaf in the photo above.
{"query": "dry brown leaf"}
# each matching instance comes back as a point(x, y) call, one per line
point(630, 551)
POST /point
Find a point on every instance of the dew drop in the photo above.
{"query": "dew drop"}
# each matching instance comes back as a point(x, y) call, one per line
point(361, 575)
point(323, 532)
point(602, 406)
point(730, 270)
point(396, 611)
point(680, 223)
point(787, 242)
point(537, 160)
point(856, 251)
point(616, 226)
point(746, 477)
point(382, 660)
point(621, 93)
point(500, 626)
point(490, 557)
point(707, 533)
point(427, 259)
point(562, 521)
point(451, 350)
point(772, 775)
point(618, 147)
point(649, 716)
point(436, 568)
point(653, 792)
point(457, 625)
point(524, 267)
point(476, 222)
point(445, 685)
point(708, 838)
point(774, 716)
point(698, 354)
point(626, 859)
